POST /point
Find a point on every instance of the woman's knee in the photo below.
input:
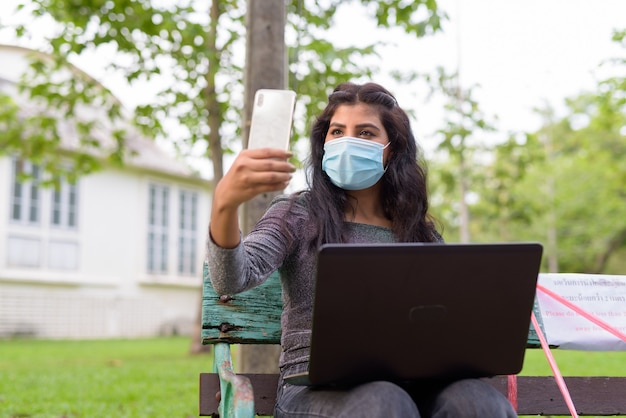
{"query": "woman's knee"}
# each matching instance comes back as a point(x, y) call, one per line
point(382, 399)
point(375, 399)
point(472, 398)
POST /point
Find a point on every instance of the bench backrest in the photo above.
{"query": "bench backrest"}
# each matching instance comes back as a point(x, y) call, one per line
point(253, 317)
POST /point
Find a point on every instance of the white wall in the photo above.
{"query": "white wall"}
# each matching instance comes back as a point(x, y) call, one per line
point(83, 312)
point(113, 217)
point(110, 293)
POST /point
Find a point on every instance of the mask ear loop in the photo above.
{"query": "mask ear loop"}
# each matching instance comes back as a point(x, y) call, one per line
point(385, 168)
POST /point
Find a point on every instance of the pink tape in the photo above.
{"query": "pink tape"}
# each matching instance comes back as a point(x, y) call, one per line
point(555, 369)
point(511, 384)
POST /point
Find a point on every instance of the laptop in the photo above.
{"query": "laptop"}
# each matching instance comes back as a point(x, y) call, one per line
point(413, 311)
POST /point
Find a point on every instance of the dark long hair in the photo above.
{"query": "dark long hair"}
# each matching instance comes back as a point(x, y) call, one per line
point(404, 191)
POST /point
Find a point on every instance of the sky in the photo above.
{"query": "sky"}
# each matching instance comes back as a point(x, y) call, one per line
point(519, 54)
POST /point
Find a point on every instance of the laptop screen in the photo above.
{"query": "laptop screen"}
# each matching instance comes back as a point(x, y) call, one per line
point(415, 311)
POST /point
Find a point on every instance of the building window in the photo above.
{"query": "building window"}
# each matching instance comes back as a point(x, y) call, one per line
point(64, 205)
point(24, 251)
point(157, 229)
point(63, 255)
point(25, 193)
point(187, 232)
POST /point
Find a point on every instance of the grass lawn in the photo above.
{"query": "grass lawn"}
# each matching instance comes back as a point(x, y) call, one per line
point(576, 363)
point(110, 378)
point(157, 377)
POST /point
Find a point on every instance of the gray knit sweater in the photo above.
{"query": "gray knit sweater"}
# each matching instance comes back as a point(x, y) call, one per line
point(277, 242)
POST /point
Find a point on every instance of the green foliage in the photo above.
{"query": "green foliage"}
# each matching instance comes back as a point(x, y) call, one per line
point(460, 151)
point(564, 182)
point(417, 18)
point(37, 120)
point(563, 185)
point(503, 200)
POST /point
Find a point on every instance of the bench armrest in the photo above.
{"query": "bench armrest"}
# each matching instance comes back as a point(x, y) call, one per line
point(237, 397)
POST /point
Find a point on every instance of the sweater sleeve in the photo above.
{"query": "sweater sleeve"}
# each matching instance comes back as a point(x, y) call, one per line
point(258, 254)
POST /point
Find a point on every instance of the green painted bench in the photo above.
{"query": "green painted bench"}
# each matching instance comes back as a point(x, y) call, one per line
point(253, 317)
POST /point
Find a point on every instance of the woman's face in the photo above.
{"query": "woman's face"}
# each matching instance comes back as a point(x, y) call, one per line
point(358, 120)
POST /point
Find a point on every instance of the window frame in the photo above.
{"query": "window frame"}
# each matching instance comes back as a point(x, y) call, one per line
point(187, 232)
point(158, 229)
point(66, 206)
point(26, 194)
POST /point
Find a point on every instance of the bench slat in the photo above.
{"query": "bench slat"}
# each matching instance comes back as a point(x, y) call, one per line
point(538, 395)
point(251, 317)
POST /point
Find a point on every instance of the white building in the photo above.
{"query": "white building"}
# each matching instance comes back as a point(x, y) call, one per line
point(118, 254)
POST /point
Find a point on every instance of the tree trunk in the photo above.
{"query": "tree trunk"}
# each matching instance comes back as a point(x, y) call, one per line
point(215, 146)
point(463, 209)
point(603, 258)
point(553, 235)
point(266, 67)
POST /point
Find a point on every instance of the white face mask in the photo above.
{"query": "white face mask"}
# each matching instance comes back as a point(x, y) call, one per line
point(353, 163)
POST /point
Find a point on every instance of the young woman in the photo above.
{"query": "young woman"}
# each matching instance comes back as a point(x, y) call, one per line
point(366, 184)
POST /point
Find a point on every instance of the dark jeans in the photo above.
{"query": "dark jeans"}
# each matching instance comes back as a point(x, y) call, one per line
point(469, 398)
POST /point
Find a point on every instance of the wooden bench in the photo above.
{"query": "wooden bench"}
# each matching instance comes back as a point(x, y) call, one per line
point(253, 317)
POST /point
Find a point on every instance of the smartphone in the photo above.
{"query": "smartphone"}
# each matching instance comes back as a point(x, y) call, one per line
point(272, 117)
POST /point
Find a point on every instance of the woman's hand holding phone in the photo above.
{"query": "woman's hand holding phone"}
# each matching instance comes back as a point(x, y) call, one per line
point(253, 172)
